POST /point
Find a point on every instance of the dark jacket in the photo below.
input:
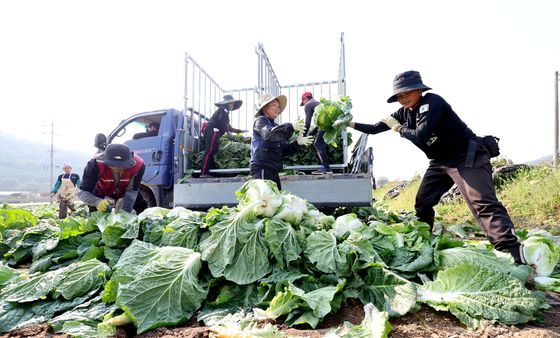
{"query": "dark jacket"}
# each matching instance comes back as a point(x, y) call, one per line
point(91, 196)
point(220, 121)
point(270, 143)
point(309, 109)
point(433, 127)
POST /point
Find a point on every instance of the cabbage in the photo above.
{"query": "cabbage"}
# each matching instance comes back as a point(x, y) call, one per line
point(261, 196)
point(344, 224)
point(541, 253)
point(292, 210)
point(333, 116)
point(547, 284)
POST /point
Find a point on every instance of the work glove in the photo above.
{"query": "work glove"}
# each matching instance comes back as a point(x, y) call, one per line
point(104, 206)
point(299, 126)
point(392, 123)
point(304, 140)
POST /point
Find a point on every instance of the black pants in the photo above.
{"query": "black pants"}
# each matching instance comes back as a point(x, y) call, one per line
point(263, 173)
point(212, 144)
point(321, 147)
point(477, 187)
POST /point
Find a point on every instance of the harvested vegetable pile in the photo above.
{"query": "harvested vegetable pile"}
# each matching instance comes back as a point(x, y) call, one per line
point(236, 153)
point(274, 256)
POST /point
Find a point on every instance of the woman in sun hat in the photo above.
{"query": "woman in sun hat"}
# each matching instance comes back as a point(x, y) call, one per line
point(456, 157)
point(270, 140)
point(113, 174)
point(217, 126)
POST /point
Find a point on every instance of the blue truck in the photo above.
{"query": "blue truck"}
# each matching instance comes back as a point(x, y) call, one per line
point(171, 178)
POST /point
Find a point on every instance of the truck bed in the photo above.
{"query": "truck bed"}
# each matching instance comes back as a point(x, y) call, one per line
point(333, 190)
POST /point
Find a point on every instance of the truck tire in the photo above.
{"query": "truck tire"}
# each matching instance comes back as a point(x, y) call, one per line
point(148, 196)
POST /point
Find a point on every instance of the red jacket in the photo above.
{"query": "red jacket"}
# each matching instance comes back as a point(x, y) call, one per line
point(106, 185)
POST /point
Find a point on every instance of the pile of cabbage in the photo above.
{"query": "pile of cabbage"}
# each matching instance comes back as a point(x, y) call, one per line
point(272, 258)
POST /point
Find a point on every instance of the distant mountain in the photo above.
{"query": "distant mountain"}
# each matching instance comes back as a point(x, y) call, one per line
point(25, 165)
point(546, 158)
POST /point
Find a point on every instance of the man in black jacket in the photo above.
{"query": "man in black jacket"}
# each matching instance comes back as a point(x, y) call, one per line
point(430, 123)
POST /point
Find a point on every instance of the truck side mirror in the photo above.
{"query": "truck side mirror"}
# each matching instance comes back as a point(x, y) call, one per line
point(100, 141)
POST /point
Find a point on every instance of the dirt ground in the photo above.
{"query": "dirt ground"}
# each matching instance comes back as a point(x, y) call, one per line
point(427, 323)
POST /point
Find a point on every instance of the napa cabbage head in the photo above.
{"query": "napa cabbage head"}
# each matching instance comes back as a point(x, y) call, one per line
point(261, 196)
point(292, 210)
point(346, 224)
point(542, 254)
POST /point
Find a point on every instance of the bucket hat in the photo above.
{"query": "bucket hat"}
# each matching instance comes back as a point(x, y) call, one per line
point(267, 98)
point(227, 100)
point(407, 81)
point(306, 95)
point(117, 155)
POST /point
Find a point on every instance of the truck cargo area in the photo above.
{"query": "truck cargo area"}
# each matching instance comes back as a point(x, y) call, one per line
point(350, 190)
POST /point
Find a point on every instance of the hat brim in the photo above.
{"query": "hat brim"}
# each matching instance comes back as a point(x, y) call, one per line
point(236, 104)
point(282, 102)
point(116, 164)
point(393, 98)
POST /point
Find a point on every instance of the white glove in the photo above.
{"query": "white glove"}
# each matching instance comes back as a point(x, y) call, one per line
point(304, 140)
point(392, 123)
point(299, 126)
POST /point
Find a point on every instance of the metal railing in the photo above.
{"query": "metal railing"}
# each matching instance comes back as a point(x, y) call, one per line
point(202, 92)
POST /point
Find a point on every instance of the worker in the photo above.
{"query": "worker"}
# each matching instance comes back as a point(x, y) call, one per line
point(270, 143)
point(218, 125)
point(66, 186)
point(309, 104)
point(429, 122)
point(152, 130)
point(111, 175)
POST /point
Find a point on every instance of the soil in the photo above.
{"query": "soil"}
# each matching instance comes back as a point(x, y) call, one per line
point(426, 323)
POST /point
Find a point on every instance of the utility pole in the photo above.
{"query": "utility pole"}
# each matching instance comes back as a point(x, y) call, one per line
point(555, 153)
point(52, 154)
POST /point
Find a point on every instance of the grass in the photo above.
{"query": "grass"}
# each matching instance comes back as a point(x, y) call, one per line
point(532, 198)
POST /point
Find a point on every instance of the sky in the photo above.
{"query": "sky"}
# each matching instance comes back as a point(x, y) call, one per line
point(86, 65)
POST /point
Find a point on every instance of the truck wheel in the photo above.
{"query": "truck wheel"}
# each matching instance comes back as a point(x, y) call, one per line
point(148, 196)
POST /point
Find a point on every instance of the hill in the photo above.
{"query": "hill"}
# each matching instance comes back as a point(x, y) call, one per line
point(26, 164)
point(531, 195)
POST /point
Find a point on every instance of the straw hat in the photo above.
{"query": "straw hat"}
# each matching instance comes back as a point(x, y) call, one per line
point(267, 98)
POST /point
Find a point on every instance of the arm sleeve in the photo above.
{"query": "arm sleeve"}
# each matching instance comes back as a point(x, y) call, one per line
point(234, 130)
point(309, 109)
point(426, 123)
point(132, 190)
point(89, 179)
point(371, 128)
point(273, 133)
point(88, 198)
point(56, 185)
point(87, 185)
